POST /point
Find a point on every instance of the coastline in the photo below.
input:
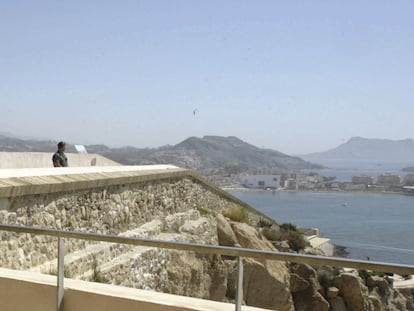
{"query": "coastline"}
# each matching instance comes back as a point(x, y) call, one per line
point(330, 203)
point(244, 189)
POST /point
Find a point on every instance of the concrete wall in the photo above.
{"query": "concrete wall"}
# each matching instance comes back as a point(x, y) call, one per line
point(44, 159)
point(22, 291)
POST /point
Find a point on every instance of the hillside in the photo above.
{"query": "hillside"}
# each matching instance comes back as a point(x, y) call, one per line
point(208, 153)
point(364, 150)
point(202, 154)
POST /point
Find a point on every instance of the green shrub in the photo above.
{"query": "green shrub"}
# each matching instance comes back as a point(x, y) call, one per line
point(205, 212)
point(238, 214)
point(292, 235)
point(271, 234)
point(296, 241)
point(264, 223)
point(288, 227)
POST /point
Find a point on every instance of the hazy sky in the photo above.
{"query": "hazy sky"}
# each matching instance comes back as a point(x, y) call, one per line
point(296, 76)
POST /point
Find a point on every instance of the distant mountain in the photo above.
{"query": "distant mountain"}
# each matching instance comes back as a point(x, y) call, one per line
point(14, 144)
point(206, 155)
point(364, 150)
point(209, 152)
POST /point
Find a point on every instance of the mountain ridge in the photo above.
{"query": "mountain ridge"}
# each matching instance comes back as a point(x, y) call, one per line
point(367, 149)
point(201, 154)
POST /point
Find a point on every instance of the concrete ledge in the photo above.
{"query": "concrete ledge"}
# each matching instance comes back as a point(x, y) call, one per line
point(44, 159)
point(21, 291)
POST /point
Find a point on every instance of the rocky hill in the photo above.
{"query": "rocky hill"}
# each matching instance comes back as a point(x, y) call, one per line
point(202, 154)
point(358, 149)
point(209, 152)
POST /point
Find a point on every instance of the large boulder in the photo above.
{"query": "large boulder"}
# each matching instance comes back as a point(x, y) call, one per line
point(248, 237)
point(308, 299)
point(267, 285)
point(225, 234)
point(337, 304)
point(353, 291)
point(195, 275)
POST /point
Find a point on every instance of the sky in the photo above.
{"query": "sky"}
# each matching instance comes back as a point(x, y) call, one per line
point(295, 76)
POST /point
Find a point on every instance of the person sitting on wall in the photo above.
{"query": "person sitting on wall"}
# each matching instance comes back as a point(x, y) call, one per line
point(59, 158)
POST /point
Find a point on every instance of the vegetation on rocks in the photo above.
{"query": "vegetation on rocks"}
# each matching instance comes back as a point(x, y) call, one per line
point(286, 232)
point(237, 213)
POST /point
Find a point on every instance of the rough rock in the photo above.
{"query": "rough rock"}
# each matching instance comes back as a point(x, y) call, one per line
point(353, 291)
point(337, 304)
point(308, 299)
point(226, 236)
point(332, 292)
point(297, 283)
point(375, 303)
point(248, 237)
point(267, 285)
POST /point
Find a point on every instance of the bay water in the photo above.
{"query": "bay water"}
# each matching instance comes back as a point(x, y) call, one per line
point(378, 227)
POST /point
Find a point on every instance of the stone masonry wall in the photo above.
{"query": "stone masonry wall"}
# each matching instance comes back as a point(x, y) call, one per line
point(110, 210)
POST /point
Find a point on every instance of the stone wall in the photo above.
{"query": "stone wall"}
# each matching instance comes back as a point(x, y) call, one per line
point(106, 210)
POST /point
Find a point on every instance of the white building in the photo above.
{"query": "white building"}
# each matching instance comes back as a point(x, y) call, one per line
point(262, 181)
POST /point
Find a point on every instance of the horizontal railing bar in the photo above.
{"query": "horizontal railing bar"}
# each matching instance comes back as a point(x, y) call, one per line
point(220, 250)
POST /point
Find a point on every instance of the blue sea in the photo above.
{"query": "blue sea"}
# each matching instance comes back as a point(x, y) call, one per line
point(378, 226)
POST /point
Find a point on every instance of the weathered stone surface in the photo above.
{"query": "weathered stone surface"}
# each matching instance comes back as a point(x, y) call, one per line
point(308, 299)
point(267, 286)
point(337, 304)
point(332, 292)
point(112, 210)
point(297, 283)
point(248, 237)
point(375, 303)
point(225, 234)
point(353, 291)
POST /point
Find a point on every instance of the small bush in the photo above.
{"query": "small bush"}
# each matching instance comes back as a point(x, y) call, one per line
point(288, 227)
point(238, 214)
point(296, 241)
point(271, 234)
point(205, 212)
point(289, 233)
point(264, 223)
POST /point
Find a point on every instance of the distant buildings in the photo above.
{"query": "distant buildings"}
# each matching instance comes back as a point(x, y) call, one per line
point(389, 180)
point(262, 181)
point(409, 180)
point(362, 180)
point(291, 184)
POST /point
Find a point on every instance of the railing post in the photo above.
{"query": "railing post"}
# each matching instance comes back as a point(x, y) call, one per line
point(60, 273)
point(239, 294)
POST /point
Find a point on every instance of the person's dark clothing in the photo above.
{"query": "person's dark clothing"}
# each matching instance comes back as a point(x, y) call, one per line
point(60, 157)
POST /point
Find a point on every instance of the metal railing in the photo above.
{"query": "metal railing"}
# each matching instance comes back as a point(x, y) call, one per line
point(204, 249)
